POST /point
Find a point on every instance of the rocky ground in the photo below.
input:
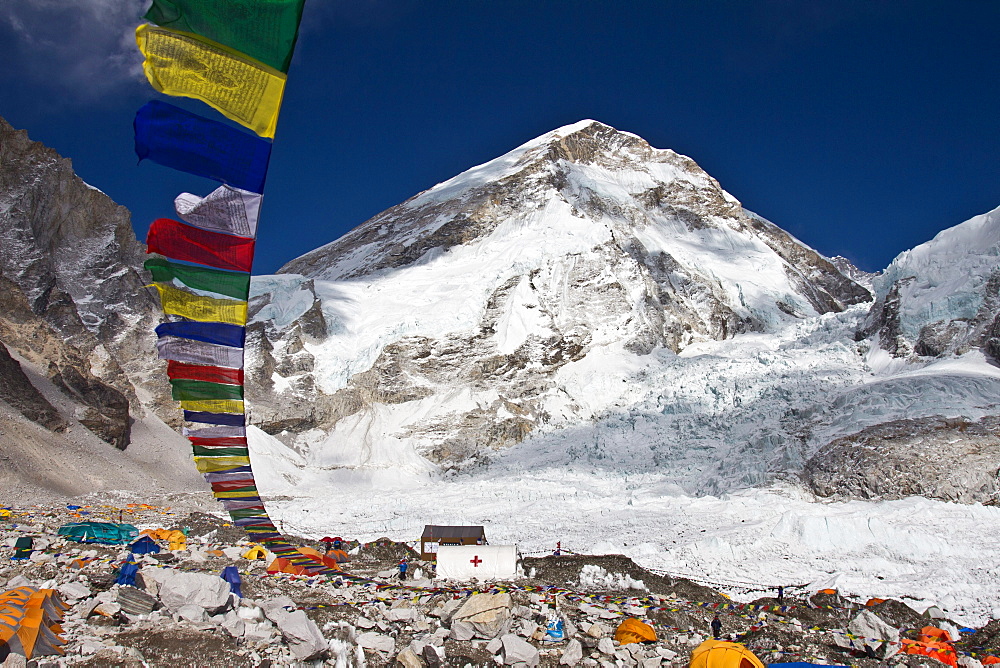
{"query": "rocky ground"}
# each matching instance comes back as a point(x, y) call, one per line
point(182, 614)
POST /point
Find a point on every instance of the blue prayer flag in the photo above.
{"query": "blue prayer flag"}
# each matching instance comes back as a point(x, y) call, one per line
point(190, 143)
point(208, 332)
point(231, 419)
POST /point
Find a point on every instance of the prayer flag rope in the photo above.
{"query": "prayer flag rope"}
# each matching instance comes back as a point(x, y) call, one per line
point(232, 55)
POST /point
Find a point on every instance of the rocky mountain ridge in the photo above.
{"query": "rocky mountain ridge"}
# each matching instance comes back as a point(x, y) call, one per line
point(584, 300)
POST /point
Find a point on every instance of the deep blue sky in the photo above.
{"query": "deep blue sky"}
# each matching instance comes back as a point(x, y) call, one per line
point(863, 128)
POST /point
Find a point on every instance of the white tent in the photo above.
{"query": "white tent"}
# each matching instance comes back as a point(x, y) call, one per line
point(463, 562)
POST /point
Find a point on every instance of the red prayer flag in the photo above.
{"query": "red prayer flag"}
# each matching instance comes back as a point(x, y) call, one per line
point(230, 485)
point(227, 442)
point(178, 241)
point(211, 374)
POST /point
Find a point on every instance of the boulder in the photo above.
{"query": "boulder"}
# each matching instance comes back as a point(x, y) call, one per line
point(606, 646)
point(516, 651)
point(489, 613)
point(408, 659)
point(572, 654)
point(209, 592)
point(192, 613)
point(875, 634)
point(462, 631)
point(74, 591)
point(377, 641)
point(262, 631)
point(302, 634)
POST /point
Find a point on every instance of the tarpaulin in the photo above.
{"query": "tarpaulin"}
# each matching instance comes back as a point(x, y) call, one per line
point(262, 29)
point(182, 389)
point(198, 352)
point(210, 374)
point(240, 88)
point(213, 405)
point(189, 143)
point(216, 432)
point(217, 333)
point(192, 244)
point(230, 283)
point(175, 301)
point(225, 209)
point(208, 417)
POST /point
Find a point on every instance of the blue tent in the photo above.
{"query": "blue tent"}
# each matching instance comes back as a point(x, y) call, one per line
point(801, 664)
point(144, 545)
point(126, 575)
point(232, 576)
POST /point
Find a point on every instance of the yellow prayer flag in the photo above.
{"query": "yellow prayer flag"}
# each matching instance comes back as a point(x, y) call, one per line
point(202, 309)
point(235, 495)
point(214, 464)
point(213, 405)
point(241, 88)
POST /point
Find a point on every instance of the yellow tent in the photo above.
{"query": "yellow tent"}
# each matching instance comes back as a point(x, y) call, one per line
point(255, 552)
point(632, 630)
point(29, 622)
point(176, 539)
point(721, 654)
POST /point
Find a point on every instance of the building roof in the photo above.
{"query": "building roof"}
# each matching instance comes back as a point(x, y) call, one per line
point(435, 531)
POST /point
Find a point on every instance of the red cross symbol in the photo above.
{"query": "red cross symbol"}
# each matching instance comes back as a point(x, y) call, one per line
point(475, 561)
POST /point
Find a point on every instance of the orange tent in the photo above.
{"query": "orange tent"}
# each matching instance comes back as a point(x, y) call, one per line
point(987, 660)
point(286, 565)
point(934, 634)
point(832, 592)
point(874, 601)
point(722, 654)
point(942, 651)
point(29, 622)
point(632, 630)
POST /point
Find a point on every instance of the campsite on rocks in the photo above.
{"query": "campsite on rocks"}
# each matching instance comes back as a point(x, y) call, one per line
point(480, 383)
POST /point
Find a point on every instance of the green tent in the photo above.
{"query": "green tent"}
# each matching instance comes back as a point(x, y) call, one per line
point(99, 532)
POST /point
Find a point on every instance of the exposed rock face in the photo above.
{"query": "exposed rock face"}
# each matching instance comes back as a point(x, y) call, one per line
point(21, 395)
point(71, 291)
point(951, 460)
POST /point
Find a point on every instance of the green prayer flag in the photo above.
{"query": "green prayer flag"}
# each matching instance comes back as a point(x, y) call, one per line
point(202, 451)
point(194, 390)
point(230, 283)
point(265, 30)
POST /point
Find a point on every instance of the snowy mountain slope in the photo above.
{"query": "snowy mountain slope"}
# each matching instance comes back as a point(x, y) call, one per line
point(583, 301)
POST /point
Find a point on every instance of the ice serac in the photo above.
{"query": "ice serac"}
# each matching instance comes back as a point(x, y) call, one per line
point(520, 297)
point(942, 297)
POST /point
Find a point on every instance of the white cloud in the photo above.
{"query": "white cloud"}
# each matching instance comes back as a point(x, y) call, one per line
point(82, 49)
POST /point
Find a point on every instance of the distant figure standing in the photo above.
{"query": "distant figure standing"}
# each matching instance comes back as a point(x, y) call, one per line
point(558, 550)
point(716, 627)
point(402, 569)
point(338, 543)
point(781, 594)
